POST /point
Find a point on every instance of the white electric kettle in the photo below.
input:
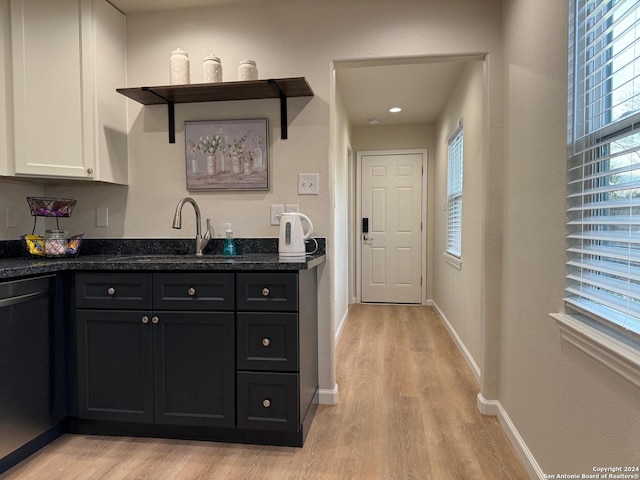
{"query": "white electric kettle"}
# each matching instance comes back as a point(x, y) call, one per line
point(292, 235)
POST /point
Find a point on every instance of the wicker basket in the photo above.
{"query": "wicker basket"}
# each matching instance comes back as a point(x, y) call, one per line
point(40, 247)
point(51, 207)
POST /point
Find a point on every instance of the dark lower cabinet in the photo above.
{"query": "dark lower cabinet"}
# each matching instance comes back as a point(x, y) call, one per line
point(228, 356)
point(268, 401)
point(156, 366)
point(194, 369)
point(115, 358)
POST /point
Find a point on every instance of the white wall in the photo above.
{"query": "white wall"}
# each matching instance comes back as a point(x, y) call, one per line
point(458, 291)
point(573, 413)
point(341, 145)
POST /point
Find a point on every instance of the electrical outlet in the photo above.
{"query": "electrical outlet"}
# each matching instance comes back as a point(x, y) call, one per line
point(102, 217)
point(308, 184)
point(276, 211)
point(291, 207)
point(12, 217)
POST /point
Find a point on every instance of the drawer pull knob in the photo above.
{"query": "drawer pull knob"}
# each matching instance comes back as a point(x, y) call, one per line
point(265, 292)
point(111, 291)
point(266, 342)
point(155, 319)
point(266, 403)
point(145, 319)
point(191, 292)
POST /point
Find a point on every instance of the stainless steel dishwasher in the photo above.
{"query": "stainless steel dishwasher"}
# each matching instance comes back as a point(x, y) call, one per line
point(27, 393)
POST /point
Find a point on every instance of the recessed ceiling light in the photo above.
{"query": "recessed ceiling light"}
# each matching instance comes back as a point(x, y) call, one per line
point(373, 121)
point(395, 109)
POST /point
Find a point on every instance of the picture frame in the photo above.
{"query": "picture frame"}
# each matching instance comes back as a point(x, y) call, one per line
point(227, 154)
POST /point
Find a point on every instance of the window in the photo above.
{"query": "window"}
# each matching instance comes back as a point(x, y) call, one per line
point(603, 177)
point(454, 193)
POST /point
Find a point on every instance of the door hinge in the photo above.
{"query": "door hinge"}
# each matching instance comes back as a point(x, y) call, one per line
point(420, 281)
point(420, 226)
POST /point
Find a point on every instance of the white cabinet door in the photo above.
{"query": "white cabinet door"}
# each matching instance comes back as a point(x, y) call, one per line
point(59, 117)
point(6, 102)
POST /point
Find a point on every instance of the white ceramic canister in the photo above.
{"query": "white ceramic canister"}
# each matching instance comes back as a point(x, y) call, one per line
point(212, 69)
point(179, 65)
point(247, 70)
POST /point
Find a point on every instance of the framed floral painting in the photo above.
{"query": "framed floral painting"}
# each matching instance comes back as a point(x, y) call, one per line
point(227, 155)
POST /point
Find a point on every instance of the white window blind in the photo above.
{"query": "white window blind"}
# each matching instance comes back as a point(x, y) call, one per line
point(454, 193)
point(603, 178)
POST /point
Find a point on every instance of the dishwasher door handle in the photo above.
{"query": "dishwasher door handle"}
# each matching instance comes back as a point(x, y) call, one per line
point(6, 302)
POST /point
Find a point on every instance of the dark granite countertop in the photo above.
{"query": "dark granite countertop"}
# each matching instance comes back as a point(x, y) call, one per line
point(129, 258)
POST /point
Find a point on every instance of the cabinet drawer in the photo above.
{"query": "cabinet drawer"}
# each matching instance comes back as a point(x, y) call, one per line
point(113, 290)
point(193, 291)
point(267, 341)
point(267, 292)
point(268, 401)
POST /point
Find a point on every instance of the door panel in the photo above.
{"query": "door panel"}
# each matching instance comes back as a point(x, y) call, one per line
point(115, 372)
point(391, 199)
point(194, 368)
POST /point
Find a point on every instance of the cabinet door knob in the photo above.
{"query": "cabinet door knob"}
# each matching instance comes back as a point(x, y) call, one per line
point(191, 292)
point(265, 292)
point(266, 342)
point(90, 171)
point(266, 403)
point(111, 291)
point(145, 319)
point(154, 319)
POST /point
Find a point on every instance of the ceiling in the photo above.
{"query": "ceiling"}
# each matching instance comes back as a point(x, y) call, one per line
point(420, 89)
point(368, 89)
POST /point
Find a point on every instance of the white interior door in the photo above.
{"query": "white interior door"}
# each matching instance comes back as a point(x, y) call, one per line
point(391, 205)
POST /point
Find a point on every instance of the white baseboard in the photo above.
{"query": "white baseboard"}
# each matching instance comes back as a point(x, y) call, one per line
point(461, 346)
point(328, 396)
point(495, 409)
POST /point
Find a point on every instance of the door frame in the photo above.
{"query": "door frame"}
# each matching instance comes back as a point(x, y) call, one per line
point(423, 217)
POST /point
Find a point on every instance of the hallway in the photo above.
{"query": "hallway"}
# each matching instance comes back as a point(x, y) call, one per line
point(407, 411)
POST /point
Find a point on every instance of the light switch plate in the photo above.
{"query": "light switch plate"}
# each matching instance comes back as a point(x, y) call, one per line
point(308, 184)
point(12, 217)
point(102, 217)
point(276, 211)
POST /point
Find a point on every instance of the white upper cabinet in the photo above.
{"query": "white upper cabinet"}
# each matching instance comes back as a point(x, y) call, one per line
point(6, 102)
point(68, 60)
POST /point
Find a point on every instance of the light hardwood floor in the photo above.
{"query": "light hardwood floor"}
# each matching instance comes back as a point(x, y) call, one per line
point(406, 411)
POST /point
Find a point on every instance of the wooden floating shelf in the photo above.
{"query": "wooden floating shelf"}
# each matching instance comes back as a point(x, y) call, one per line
point(281, 88)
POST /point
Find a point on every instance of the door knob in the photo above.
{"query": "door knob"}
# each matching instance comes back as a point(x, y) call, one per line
point(366, 239)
